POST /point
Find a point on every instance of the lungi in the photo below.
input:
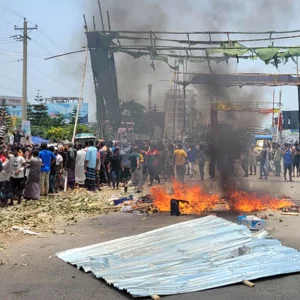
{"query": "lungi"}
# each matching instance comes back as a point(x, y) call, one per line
point(90, 178)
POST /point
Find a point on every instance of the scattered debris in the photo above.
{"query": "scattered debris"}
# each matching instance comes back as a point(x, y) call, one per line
point(248, 283)
point(262, 216)
point(25, 230)
point(293, 208)
point(252, 222)
point(59, 231)
point(290, 213)
point(42, 215)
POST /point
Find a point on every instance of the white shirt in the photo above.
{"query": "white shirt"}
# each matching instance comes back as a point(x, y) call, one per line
point(17, 164)
point(59, 159)
point(80, 158)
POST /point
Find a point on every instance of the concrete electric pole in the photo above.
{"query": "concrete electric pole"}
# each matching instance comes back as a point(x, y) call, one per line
point(25, 38)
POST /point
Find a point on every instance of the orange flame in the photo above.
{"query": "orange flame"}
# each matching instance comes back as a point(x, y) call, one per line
point(247, 202)
point(201, 201)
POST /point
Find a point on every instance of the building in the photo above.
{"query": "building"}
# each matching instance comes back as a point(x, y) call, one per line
point(10, 100)
point(174, 113)
point(58, 106)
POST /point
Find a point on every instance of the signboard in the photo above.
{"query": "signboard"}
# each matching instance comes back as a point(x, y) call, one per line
point(55, 109)
point(26, 128)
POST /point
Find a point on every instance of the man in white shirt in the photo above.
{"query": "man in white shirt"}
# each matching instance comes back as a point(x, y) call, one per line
point(17, 175)
point(5, 179)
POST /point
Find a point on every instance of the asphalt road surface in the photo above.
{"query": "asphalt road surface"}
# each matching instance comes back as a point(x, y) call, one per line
point(31, 271)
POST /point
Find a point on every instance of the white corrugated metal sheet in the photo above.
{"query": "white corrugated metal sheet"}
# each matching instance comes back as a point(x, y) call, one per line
point(186, 257)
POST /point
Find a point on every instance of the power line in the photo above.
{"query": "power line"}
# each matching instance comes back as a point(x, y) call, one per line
point(53, 79)
point(1, 20)
point(11, 10)
point(47, 36)
point(19, 82)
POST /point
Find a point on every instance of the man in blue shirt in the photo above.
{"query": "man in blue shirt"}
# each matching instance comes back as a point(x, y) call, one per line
point(91, 161)
point(48, 158)
point(287, 160)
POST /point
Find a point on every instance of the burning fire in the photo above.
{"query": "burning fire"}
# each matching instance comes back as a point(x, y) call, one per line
point(201, 201)
point(247, 202)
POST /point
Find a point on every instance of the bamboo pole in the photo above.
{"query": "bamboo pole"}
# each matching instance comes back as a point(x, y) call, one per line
point(80, 96)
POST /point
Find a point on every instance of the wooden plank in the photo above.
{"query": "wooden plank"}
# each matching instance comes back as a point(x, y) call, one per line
point(248, 283)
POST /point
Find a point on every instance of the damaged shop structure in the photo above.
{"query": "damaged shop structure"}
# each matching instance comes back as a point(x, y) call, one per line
point(186, 257)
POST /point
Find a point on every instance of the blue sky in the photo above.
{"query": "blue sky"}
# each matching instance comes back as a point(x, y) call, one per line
point(62, 21)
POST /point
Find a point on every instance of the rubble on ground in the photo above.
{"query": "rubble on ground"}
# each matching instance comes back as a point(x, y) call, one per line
point(42, 216)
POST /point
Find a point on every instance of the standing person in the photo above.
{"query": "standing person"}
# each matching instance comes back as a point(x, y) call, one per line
point(90, 166)
point(48, 158)
point(7, 137)
point(18, 134)
point(32, 185)
point(296, 159)
point(79, 167)
point(191, 158)
point(277, 160)
point(244, 161)
point(70, 165)
point(5, 178)
point(17, 175)
point(52, 174)
point(263, 160)
point(180, 157)
point(252, 159)
point(59, 165)
point(201, 160)
point(287, 161)
point(114, 168)
point(136, 169)
point(154, 161)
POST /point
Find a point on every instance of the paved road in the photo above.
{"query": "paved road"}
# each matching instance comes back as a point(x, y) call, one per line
point(32, 272)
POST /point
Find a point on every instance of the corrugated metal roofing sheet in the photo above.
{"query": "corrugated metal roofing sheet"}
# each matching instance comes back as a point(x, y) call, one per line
point(186, 257)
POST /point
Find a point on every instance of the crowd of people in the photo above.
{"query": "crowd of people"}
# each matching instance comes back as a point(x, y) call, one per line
point(271, 159)
point(31, 172)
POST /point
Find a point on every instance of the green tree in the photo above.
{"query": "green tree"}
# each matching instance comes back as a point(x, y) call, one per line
point(134, 112)
point(57, 120)
point(40, 116)
point(29, 112)
point(38, 98)
point(73, 116)
point(5, 115)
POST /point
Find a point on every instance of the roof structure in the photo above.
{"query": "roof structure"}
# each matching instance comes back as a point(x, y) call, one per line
point(243, 79)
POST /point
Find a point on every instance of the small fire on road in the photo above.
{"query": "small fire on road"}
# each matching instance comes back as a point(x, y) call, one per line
point(200, 201)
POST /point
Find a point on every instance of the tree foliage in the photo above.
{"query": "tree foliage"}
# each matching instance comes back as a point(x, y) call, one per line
point(73, 116)
point(134, 112)
point(6, 119)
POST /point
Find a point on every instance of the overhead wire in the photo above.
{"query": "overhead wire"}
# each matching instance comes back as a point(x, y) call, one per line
point(6, 7)
point(20, 82)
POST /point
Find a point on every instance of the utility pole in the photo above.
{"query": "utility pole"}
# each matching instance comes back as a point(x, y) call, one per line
point(149, 96)
point(25, 38)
